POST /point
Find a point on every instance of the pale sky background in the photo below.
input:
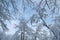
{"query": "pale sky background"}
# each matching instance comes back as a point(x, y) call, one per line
point(27, 14)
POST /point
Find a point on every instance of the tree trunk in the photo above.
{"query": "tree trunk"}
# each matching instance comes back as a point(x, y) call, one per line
point(22, 36)
point(35, 37)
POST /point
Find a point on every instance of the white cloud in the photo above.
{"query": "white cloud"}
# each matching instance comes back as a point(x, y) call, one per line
point(11, 26)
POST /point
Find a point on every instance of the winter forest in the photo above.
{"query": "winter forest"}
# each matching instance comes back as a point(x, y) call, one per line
point(29, 19)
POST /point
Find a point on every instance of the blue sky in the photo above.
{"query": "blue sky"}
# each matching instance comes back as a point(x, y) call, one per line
point(27, 14)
